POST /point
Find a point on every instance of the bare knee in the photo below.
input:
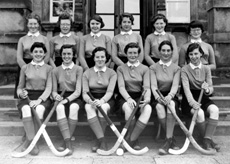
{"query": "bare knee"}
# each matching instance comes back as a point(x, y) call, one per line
point(213, 111)
point(127, 110)
point(40, 109)
point(200, 116)
point(105, 107)
point(160, 111)
point(26, 111)
point(90, 111)
point(73, 111)
point(60, 111)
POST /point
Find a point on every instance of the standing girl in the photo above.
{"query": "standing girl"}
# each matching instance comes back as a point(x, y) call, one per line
point(165, 76)
point(133, 78)
point(65, 37)
point(67, 76)
point(121, 40)
point(152, 42)
point(90, 41)
point(196, 76)
point(100, 81)
point(36, 83)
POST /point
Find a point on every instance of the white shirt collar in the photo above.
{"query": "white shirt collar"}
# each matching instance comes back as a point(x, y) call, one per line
point(157, 33)
point(35, 34)
point(125, 33)
point(96, 69)
point(40, 64)
point(135, 64)
point(167, 64)
point(67, 35)
point(97, 34)
point(194, 67)
point(196, 40)
point(70, 66)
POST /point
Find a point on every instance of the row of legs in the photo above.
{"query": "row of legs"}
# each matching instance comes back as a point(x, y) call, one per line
point(98, 125)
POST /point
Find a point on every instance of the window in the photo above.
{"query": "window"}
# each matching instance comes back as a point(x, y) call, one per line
point(178, 11)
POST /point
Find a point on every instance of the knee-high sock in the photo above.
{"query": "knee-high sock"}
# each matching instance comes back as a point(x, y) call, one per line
point(211, 127)
point(103, 123)
point(140, 126)
point(162, 122)
point(29, 127)
point(130, 129)
point(96, 127)
point(201, 126)
point(170, 124)
point(64, 128)
point(72, 126)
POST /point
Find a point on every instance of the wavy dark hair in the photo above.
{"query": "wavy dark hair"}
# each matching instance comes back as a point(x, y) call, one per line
point(195, 24)
point(165, 42)
point(38, 45)
point(132, 45)
point(98, 19)
point(97, 49)
point(126, 15)
point(65, 46)
point(192, 47)
point(64, 16)
point(156, 17)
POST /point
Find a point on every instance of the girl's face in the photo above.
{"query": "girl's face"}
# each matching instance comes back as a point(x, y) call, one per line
point(33, 25)
point(67, 56)
point(126, 24)
point(65, 26)
point(100, 59)
point(132, 55)
point(95, 26)
point(38, 54)
point(195, 33)
point(159, 25)
point(166, 53)
point(195, 56)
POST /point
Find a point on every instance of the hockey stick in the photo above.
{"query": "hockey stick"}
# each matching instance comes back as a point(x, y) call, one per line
point(185, 130)
point(192, 125)
point(117, 133)
point(39, 133)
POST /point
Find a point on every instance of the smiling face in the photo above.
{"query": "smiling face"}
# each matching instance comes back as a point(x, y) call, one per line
point(65, 26)
point(95, 26)
point(166, 53)
point(132, 55)
point(38, 54)
point(159, 25)
point(67, 56)
point(126, 24)
point(195, 56)
point(195, 33)
point(100, 59)
point(33, 25)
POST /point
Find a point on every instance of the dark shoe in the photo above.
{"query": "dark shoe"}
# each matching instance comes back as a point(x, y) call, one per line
point(62, 147)
point(136, 145)
point(25, 145)
point(96, 146)
point(68, 145)
point(207, 144)
point(35, 150)
point(173, 144)
point(166, 146)
point(103, 145)
point(215, 146)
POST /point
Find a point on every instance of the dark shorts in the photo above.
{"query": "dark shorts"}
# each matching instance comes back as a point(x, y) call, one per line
point(67, 105)
point(18, 76)
point(205, 102)
point(120, 101)
point(175, 99)
point(33, 95)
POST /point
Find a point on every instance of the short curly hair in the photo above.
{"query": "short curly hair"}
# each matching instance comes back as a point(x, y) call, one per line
point(126, 15)
point(34, 16)
point(64, 16)
point(156, 17)
point(132, 45)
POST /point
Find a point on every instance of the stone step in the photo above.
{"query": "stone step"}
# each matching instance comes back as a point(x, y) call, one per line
point(82, 129)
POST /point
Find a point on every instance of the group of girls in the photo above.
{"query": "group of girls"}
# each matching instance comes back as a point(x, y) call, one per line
point(95, 64)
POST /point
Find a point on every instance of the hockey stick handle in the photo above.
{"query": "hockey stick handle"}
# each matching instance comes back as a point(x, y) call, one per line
point(185, 130)
point(101, 110)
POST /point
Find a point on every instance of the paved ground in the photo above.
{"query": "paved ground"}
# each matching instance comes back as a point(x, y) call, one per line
point(83, 155)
